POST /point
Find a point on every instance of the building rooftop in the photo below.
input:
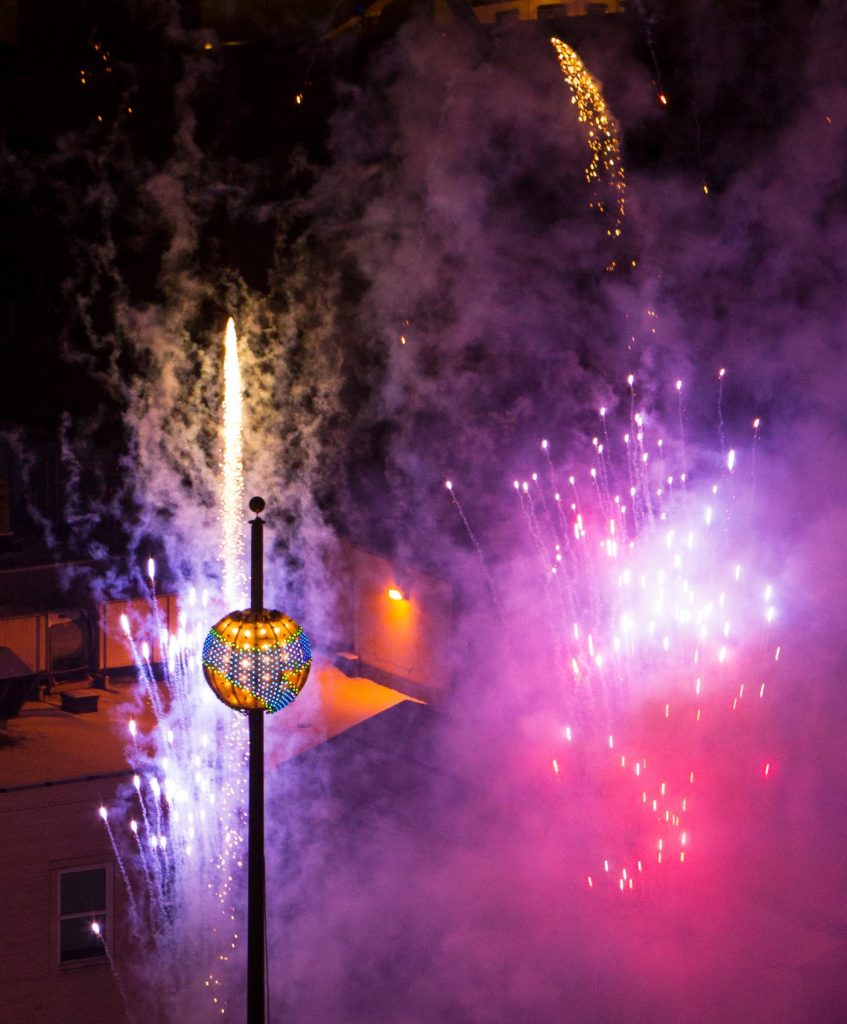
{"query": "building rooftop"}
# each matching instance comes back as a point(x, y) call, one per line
point(46, 745)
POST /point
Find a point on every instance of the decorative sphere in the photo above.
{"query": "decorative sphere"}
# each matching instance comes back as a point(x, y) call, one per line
point(256, 661)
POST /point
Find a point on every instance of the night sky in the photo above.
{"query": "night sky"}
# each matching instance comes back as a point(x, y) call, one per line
point(399, 222)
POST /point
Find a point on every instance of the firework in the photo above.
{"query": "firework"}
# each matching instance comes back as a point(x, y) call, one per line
point(185, 814)
point(232, 476)
point(652, 620)
point(657, 620)
point(605, 171)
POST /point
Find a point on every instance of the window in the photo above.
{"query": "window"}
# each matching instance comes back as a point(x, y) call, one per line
point(550, 12)
point(82, 902)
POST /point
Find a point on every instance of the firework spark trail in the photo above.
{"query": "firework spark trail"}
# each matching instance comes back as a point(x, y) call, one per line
point(756, 424)
point(545, 508)
point(558, 547)
point(154, 603)
point(642, 460)
point(602, 477)
point(548, 570)
point(141, 661)
point(563, 536)
point(648, 20)
point(557, 583)
point(605, 166)
point(684, 472)
point(639, 486)
point(133, 906)
point(145, 666)
point(562, 546)
point(525, 497)
point(155, 891)
point(136, 782)
point(232, 475)
point(551, 558)
point(148, 878)
point(584, 561)
point(157, 803)
point(721, 432)
point(489, 579)
point(608, 466)
point(98, 931)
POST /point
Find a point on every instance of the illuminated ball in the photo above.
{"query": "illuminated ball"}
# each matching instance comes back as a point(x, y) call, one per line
point(256, 661)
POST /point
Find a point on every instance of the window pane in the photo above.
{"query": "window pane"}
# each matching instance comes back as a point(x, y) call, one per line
point(83, 891)
point(77, 941)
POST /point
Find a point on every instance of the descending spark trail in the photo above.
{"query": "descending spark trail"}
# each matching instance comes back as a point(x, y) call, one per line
point(489, 579)
point(98, 932)
point(104, 814)
point(605, 165)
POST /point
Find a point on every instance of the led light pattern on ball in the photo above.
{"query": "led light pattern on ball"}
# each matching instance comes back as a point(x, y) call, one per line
point(256, 661)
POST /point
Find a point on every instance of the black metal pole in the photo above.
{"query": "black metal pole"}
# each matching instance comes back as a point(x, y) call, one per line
point(256, 806)
point(257, 554)
point(256, 873)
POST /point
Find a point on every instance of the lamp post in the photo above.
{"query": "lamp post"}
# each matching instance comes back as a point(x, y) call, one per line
point(256, 661)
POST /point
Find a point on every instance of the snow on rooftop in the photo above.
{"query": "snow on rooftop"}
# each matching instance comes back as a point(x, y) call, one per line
point(48, 745)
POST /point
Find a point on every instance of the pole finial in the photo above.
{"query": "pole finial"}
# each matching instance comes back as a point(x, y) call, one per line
point(257, 505)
